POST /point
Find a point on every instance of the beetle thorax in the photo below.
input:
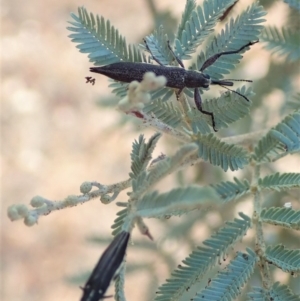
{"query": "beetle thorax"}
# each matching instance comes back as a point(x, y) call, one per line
point(196, 79)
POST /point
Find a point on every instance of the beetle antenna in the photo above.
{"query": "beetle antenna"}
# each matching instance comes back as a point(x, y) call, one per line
point(240, 80)
point(213, 58)
point(153, 57)
point(236, 93)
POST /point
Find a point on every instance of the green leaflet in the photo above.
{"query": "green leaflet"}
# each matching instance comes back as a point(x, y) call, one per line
point(229, 191)
point(280, 181)
point(227, 156)
point(119, 221)
point(165, 112)
point(286, 259)
point(283, 42)
point(119, 285)
point(278, 292)
point(282, 293)
point(281, 140)
point(285, 217)
point(229, 107)
point(257, 294)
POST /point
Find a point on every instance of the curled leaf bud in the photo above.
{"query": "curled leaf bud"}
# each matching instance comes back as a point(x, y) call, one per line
point(12, 213)
point(105, 199)
point(30, 220)
point(22, 210)
point(86, 187)
point(37, 201)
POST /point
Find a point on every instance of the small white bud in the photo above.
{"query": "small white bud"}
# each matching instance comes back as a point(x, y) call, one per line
point(86, 187)
point(142, 97)
point(161, 80)
point(288, 205)
point(133, 86)
point(151, 82)
point(149, 76)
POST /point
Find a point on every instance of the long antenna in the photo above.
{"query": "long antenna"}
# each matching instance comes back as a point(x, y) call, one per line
point(240, 80)
point(236, 93)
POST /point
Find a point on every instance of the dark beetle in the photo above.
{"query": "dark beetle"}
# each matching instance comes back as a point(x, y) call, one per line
point(106, 269)
point(178, 78)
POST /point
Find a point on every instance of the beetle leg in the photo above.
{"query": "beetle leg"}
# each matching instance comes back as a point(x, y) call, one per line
point(178, 92)
point(179, 61)
point(154, 58)
point(198, 102)
point(213, 58)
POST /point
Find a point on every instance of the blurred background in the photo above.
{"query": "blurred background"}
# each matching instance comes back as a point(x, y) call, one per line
point(56, 136)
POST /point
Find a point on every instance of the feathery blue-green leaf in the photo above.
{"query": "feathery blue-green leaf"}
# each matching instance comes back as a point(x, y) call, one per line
point(227, 285)
point(141, 154)
point(203, 259)
point(229, 191)
point(257, 294)
point(189, 8)
point(167, 113)
point(293, 4)
point(294, 103)
point(166, 166)
point(280, 182)
point(227, 156)
point(281, 292)
point(119, 285)
point(97, 37)
point(176, 202)
point(280, 140)
point(198, 122)
point(283, 42)
point(164, 94)
point(229, 107)
point(197, 24)
point(285, 217)
point(287, 132)
point(157, 42)
point(268, 149)
point(119, 221)
point(287, 260)
point(160, 169)
point(118, 88)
